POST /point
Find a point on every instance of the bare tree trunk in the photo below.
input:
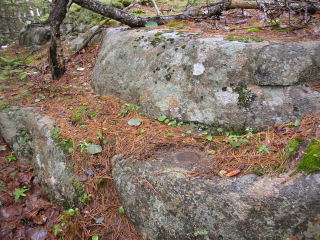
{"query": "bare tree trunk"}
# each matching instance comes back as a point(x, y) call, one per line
point(56, 17)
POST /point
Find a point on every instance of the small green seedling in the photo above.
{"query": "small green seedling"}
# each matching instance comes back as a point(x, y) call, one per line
point(209, 138)
point(263, 148)
point(122, 210)
point(170, 134)
point(99, 180)
point(161, 118)
point(56, 230)
point(95, 237)
point(71, 211)
point(84, 198)
point(11, 158)
point(20, 192)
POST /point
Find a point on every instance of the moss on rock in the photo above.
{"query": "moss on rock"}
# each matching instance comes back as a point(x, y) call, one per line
point(310, 161)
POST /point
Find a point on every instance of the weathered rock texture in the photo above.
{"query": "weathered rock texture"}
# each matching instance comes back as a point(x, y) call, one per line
point(29, 135)
point(34, 35)
point(77, 43)
point(165, 203)
point(210, 80)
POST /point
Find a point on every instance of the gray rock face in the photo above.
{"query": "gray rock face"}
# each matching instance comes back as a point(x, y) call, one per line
point(29, 135)
point(34, 35)
point(165, 203)
point(75, 44)
point(209, 80)
point(65, 29)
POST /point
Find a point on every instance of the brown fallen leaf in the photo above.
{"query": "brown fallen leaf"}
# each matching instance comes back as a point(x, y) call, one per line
point(39, 219)
point(233, 173)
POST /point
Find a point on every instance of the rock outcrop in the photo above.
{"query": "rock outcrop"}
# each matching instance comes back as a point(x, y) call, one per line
point(34, 35)
point(77, 43)
point(210, 80)
point(29, 134)
point(165, 202)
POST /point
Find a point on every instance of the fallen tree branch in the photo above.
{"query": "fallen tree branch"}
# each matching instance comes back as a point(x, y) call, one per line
point(215, 9)
point(86, 42)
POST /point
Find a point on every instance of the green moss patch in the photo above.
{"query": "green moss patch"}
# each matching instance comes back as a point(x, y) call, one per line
point(310, 162)
point(251, 30)
point(243, 39)
point(177, 24)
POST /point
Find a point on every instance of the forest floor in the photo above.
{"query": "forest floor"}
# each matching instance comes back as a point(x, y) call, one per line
point(82, 117)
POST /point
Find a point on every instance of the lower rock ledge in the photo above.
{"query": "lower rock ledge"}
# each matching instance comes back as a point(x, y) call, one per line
point(29, 134)
point(165, 203)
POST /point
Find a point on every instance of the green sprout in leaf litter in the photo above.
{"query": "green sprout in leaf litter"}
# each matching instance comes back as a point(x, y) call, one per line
point(20, 192)
point(170, 134)
point(95, 237)
point(263, 148)
point(56, 230)
point(84, 198)
point(161, 118)
point(297, 123)
point(11, 158)
point(209, 138)
point(122, 210)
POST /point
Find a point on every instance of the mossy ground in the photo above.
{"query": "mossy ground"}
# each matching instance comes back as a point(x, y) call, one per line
point(310, 161)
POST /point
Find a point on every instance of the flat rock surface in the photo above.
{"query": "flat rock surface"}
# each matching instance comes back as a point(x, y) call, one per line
point(211, 80)
point(165, 200)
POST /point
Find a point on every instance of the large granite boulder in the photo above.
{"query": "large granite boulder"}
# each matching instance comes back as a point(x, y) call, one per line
point(210, 80)
point(165, 202)
point(29, 134)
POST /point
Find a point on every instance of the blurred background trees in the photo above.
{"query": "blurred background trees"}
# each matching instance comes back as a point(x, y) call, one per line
point(14, 14)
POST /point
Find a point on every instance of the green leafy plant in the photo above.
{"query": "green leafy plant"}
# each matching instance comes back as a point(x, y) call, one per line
point(236, 140)
point(66, 146)
point(55, 133)
point(209, 138)
point(127, 108)
point(23, 75)
point(95, 237)
point(56, 230)
point(85, 198)
point(263, 148)
point(84, 145)
point(92, 114)
point(11, 158)
point(77, 116)
point(20, 192)
point(170, 134)
point(3, 147)
point(122, 210)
